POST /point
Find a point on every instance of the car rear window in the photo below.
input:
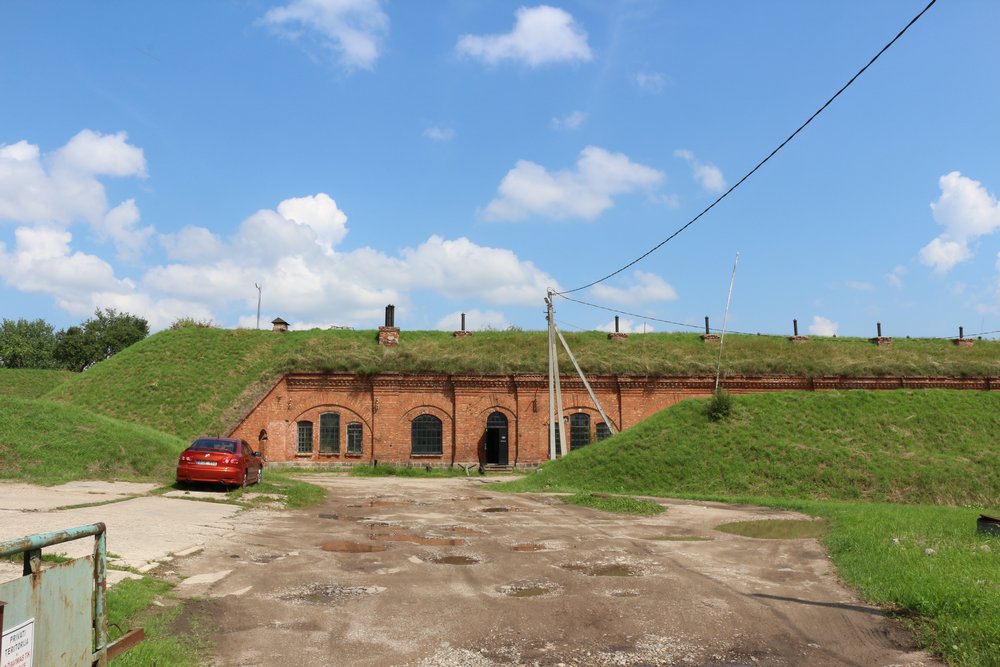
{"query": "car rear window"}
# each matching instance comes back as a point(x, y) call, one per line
point(205, 445)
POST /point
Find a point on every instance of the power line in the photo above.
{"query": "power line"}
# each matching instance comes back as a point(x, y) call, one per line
point(759, 164)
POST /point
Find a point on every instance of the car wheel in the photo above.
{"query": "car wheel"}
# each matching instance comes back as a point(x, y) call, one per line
point(244, 479)
point(260, 475)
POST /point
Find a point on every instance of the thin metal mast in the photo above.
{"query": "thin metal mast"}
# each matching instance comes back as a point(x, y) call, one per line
point(725, 320)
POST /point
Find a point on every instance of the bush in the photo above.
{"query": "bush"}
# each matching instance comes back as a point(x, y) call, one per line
point(191, 323)
point(720, 406)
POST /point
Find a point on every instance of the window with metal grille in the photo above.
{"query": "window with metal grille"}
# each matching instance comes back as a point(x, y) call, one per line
point(305, 442)
point(425, 435)
point(329, 433)
point(603, 432)
point(579, 430)
point(354, 445)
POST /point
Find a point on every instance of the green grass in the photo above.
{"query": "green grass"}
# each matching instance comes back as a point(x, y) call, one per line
point(297, 494)
point(921, 446)
point(617, 504)
point(129, 606)
point(195, 381)
point(30, 382)
point(840, 456)
point(43, 442)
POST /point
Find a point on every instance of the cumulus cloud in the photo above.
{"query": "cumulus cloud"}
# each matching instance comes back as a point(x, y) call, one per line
point(435, 133)
point(291, 251)
point(541, 35)
point(626, 326)
point(475, 320)
point(643, 287)
point(65, 187)
point(706, 174)
point(586, 192)
point(823, 327)
point(351, 30)
point(571, 121)
point(895, 277)
point(649, 82)
point(967, 211)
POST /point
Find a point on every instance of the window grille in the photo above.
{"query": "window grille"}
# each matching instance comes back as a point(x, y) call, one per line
point(305, 442)
point(603, 432)
point(579, 430)
point(354, 445)
point(329, 433)
point(425, 435)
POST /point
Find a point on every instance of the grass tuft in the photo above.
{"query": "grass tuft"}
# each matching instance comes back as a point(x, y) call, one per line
point(617, 504)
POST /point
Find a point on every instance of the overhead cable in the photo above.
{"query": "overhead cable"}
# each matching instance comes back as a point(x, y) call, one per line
point(759, 164)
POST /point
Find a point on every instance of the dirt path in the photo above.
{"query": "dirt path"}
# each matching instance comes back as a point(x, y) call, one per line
point(472, 577)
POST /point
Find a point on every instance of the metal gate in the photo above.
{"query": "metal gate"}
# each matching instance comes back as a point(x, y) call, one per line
point(58, 616)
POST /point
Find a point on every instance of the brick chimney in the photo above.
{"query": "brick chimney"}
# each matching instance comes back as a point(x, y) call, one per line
point(388, 334)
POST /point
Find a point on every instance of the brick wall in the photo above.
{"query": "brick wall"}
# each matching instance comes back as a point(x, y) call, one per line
point(386, 404)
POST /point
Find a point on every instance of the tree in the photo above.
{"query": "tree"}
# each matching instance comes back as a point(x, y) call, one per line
point(25, 344)
point(106, 334)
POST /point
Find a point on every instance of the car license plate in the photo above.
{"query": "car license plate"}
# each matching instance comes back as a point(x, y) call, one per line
point(206, 463)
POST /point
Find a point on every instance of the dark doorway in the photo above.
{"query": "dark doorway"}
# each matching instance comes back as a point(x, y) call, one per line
point(496, 439)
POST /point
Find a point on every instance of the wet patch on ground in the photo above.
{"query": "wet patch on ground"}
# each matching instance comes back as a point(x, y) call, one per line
point(418, 539)
point(679, 538)
point(504, 508)
point(345, 547)
point(619, 593)
point(465, 530)
point(453, 560)
point(328, 515)
point(326, 593)
point(603, 569)
point(776, 529)
point(529, 589)
point(528, 547)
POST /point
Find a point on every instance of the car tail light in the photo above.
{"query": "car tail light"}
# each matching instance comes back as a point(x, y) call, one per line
point(230, 461)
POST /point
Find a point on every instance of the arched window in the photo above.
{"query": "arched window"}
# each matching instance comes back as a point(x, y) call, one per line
point(579, 430)
point(354, 446)
point(603, 432)
point(305, 441)
point(425, 435)
point(329, 433)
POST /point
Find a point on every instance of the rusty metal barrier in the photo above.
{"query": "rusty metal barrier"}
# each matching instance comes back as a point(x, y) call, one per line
point(58, 616)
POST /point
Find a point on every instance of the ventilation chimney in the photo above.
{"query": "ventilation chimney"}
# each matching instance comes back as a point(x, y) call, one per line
point(388, 335)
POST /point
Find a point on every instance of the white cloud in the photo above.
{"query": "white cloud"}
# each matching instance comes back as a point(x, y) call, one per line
point(571, 121)
point(626, 326)
point(895, 277)
point(352, 30)
point(823, 327)
point(475, 320)
point(541, 35)
point(967, 211)
point(63, 187)
point(436, 133)
point(706, 174)
point(643, 288)
point(529, 189)
point(192, 244)
point(321, 215)
point(649, 82)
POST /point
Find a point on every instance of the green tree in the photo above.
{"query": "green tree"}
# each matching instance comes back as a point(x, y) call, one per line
point(106, 334)
point(25, 344)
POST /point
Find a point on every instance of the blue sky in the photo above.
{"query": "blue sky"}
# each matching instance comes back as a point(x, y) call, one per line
point(449, 157)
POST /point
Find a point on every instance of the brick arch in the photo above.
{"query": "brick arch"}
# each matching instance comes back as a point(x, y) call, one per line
point(334, 407)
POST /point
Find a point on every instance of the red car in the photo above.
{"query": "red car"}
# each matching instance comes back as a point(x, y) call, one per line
point(226, 461)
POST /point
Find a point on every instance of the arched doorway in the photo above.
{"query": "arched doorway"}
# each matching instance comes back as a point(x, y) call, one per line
point(496, 439)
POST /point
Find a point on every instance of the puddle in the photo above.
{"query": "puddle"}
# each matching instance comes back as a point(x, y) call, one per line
point(528, 590)
point(463, 530)
point(387, 503)
point(321, 593)
point(455, 560)
point(327, 515)
point(496, 509)
point(344, 547)
point(598, 570)
point(264, 558)
point(528, 547)
point(680, 538)
point(624, 594)
point(417, 539)
point(776, 529)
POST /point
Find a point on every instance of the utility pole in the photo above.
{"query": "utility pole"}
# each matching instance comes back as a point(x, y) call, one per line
point(258, 304)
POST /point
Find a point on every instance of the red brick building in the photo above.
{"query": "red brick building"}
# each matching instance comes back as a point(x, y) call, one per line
point(443, 420)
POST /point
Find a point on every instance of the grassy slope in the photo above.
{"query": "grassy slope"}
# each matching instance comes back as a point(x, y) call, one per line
point(928, 446)
point(51, 443)
point(931, 446)
point(195, 381)
point(30, 382)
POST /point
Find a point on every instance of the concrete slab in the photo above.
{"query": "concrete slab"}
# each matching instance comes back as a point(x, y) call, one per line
point(29, 497)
